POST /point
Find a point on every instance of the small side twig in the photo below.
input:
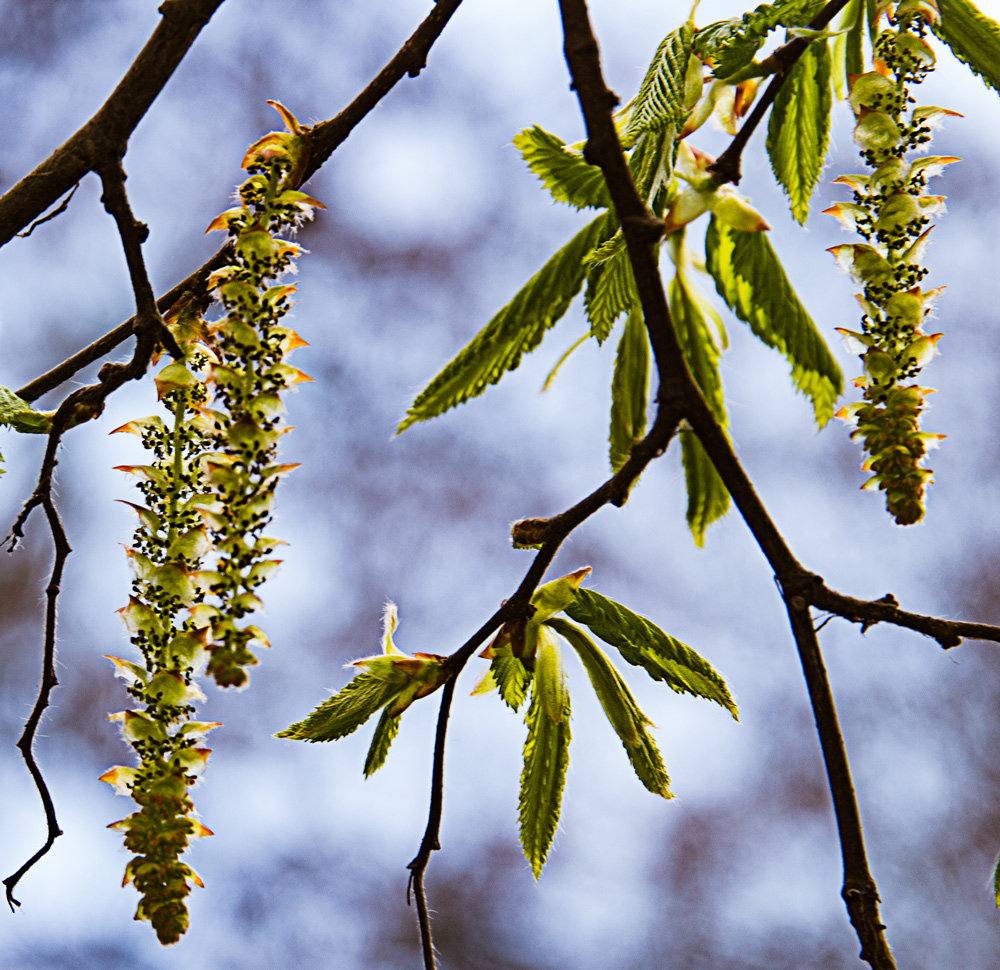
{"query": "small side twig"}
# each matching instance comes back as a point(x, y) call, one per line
point(431, 841)
point(48, 681)
point(133, 234)
point(64, 205)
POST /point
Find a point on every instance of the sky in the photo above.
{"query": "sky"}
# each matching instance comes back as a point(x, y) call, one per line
point(432, 224)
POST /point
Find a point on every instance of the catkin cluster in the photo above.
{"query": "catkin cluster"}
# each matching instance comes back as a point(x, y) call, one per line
point(199, 553)
point(893, 212)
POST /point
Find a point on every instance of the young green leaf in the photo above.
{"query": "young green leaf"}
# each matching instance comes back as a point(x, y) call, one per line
point(689, 308)
point(346, 711)
point(732, 44)
point(611, 291)
point(385, 731)
point(546, 758)
point(563, 171)
point(516, 330)
point(750, 279)
point(652, 162)
point(512, 680)
point(642, 643)
point(973, 37)
point(799, 128)
point(620, 707)
point(19, 414)
point(708, 497)
point(660, 103)
point(629, 388)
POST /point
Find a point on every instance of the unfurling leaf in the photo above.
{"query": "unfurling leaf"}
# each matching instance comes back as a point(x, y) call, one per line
point(347, 710)
point(620, 707)
point(642, 643)
point(750, 279)
point(546, 758)
point(563, 171)
point(662, 102)
point(611, 291)
point(512, 679)
point(798, 131)
point(385, 731)
point(516, 330)
point(19, 414)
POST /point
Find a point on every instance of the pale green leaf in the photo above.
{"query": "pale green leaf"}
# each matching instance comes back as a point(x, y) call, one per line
point(750, 279)
point(798, 132)
point(688, 309)
point(611, 291)
point(385, 732)
point(516, 330)
point(346, 711)
point(620, 707)
point(732, 44)
point(659, 104)
point(19, 414)
point(642, 643)
point(708, 497)
point(546, 758)
point(973, 38)
point(563, 171)
point(652, 162)
point(550, 676)
point(512, 679)
point(629, 389)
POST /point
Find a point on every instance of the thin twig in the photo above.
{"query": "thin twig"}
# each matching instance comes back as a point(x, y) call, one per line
point(726, 168)
point(859, 891)
point(431, 841)
point(114, 121)
point(55, 212)
point(325, 137)
point(604, 149)
point(48, 681)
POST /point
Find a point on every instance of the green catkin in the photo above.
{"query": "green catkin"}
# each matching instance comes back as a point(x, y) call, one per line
point(892, 211)
point(199, 552)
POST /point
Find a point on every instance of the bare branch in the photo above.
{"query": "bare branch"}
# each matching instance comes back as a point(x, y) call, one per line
point(49, 679)
point(115, 120)
point(431, 841)
point(325, 138)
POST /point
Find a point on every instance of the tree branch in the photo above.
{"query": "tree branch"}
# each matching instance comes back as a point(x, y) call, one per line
point(859, 890)
point(324, 139)
point(115, 120)
point(726, 168)
point(49, 679)
point(604, 149)
point(431, 840)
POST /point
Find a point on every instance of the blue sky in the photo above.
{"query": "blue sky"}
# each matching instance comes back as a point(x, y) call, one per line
point(433, 223)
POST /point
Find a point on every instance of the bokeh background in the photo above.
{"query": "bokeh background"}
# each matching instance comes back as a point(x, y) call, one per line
point(432, 223)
